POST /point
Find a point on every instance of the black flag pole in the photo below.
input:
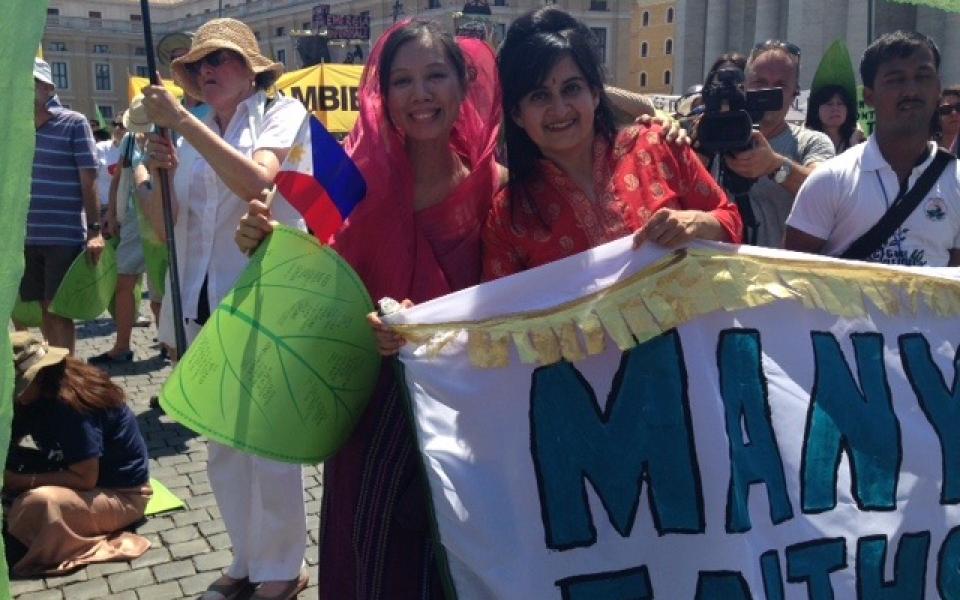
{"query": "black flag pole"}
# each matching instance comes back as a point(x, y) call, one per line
point(178, 331)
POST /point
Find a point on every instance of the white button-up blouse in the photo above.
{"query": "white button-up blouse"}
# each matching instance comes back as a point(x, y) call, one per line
point(208, 212)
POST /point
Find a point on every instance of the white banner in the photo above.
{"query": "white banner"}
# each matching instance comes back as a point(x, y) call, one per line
point(786, 428)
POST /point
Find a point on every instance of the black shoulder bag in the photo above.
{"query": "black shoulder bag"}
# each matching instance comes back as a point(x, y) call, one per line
point(902, 207)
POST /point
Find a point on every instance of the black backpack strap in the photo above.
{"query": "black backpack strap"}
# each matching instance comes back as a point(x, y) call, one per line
point(877, 236)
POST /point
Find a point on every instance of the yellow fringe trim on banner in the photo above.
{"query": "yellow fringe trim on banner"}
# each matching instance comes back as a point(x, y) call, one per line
point(680, 287)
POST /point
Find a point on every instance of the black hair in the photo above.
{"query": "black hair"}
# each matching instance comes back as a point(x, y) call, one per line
point(725, 60)
point(950, 90)
point(533, 44)
point(418, 30)
point(821, 97)
point(899, 44)
point(100, 134)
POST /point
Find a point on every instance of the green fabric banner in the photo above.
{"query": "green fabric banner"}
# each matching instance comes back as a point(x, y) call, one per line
point(20, 30)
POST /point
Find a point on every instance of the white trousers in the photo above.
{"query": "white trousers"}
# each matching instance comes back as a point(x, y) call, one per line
point(264, 509)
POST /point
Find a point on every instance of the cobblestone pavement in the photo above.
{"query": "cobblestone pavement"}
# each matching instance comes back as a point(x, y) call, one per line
point(190, 546)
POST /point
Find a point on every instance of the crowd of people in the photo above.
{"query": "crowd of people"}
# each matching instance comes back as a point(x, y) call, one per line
point(478, 166)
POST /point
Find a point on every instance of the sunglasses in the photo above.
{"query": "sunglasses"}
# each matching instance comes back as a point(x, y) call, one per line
point(772, 44)
point(213, 60)
point(946, 109)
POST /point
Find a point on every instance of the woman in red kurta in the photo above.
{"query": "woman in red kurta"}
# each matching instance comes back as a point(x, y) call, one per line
point(575, 182)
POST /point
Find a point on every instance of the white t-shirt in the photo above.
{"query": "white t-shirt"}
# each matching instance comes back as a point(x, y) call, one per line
point(107, 155)
point(208, 212)
point(845, 196)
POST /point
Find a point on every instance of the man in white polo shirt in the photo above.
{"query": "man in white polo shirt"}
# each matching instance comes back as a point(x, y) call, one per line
point(846, 196)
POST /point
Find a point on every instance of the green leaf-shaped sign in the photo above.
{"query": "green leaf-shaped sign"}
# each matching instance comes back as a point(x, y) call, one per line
point(286, 364)
point(154, 252)
point(86, 289)
point(27, 313)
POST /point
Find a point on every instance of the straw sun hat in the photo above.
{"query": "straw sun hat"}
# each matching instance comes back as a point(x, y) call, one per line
point(30, 356)
point(218, 34)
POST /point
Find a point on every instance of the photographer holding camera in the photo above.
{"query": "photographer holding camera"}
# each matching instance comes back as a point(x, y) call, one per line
point(761, 168)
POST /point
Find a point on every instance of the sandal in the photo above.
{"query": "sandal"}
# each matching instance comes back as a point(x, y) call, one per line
point(227, 588)
point(290, 590)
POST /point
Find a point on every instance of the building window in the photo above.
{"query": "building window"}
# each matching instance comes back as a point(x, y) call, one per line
point(136, 18)
point(666, 77)
point(433, 4)
point(668, 46)
point(644, 49)
point(94, 14)
point(499, 2)
point(305, 26)
point(645, 20)
point(101, 49)
point(53, 12)
point(280, 31)
point(598, 5)
point(57, 47)
point(139, 51)
point(670, 15)
point(59, 72)
point(101, 75)
point(282, 57)
point(600, 42)
point(643, 80)
point(142, 71)
point(106, 110)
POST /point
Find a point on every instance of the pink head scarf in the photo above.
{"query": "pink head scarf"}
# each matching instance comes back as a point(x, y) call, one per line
point(381, 239)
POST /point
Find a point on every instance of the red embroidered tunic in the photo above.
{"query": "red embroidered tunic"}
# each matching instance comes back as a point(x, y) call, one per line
point(632, 180)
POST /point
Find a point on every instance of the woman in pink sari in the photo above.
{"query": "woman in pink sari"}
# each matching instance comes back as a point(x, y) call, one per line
point(425, 141)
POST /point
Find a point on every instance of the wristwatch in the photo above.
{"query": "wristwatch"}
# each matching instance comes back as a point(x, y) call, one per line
point(781, 174)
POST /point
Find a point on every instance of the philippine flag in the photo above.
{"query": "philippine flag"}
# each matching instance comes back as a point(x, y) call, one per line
point(319, 179)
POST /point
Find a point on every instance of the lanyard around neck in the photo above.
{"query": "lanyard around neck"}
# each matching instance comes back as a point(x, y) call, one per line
point(886, 201)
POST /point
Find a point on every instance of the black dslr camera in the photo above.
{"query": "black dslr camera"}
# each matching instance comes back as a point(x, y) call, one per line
point(730, 112)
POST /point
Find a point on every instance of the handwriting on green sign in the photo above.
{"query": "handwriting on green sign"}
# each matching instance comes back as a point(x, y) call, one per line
point(286, 364)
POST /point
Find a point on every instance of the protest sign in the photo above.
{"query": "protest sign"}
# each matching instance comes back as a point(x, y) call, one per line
point(87, 288)
point(285, 365)
point(328, 90)
point(714, 422)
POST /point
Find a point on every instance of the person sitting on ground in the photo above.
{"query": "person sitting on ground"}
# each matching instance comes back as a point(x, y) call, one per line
point(88, 477)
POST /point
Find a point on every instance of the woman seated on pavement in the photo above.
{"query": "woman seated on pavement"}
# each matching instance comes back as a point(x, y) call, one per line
point(88, 477)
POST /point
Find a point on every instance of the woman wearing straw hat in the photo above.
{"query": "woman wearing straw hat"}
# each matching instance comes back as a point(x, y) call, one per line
point(221, 161)
point(87, 479)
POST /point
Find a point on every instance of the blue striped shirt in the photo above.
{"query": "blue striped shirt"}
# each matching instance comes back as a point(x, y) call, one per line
point(64, 146)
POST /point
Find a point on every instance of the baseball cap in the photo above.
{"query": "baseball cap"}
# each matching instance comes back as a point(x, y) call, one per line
point(41, 71)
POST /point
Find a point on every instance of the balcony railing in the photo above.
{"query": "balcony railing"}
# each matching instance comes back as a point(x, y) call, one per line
point(86, 23)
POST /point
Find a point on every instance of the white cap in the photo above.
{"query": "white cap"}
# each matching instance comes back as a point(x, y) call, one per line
point(41, 71)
